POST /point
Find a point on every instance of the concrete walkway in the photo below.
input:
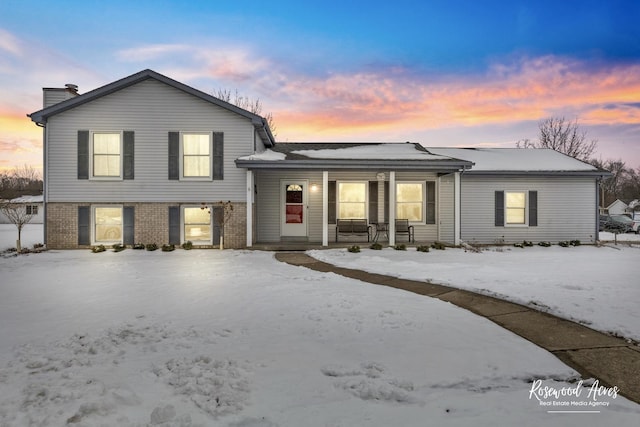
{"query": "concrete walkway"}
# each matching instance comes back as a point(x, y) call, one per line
point(613, 361)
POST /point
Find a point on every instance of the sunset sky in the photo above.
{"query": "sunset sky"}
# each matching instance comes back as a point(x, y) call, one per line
point(441, 73)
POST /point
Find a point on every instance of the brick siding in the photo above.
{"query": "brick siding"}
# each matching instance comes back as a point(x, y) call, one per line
point(151, 224)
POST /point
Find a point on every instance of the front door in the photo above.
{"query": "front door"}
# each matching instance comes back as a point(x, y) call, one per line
point(294, 208)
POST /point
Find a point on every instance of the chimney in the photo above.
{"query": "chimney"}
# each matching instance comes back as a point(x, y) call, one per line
point(52, 96)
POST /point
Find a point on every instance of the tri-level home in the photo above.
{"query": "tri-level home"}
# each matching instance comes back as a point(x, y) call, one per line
point(145, 159)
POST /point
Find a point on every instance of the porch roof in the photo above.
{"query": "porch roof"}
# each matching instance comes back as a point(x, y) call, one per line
point(331, 156)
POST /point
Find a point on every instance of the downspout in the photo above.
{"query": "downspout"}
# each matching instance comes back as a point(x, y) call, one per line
point(45, 181)
point(597, 231)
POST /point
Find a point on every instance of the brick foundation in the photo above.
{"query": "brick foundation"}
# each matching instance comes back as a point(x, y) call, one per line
point(151, 224)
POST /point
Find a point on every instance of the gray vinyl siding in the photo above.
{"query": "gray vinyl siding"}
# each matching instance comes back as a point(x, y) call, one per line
point(269, 203)
point(151, 109)
point(445, 207)
point(566, 209)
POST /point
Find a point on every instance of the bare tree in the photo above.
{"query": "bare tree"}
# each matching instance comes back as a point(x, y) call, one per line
point(18, 215)
point(20, 181)
point(246, 103)
point(222, 213)
point(563, 136)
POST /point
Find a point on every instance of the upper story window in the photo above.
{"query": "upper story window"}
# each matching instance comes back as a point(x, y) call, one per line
point(196, 155)
point(106, 154)
point(352, 200)
point(32, 209)
point(515, 207)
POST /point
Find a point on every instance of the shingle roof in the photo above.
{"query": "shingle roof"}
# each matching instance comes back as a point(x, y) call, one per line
point(41, 116)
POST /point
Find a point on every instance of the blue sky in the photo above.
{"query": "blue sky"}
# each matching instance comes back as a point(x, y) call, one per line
point(443, 73)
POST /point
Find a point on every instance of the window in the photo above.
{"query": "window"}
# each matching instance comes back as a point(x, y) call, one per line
point(32, 209)
point(352, 200)
point(410, 201)
point(197, 225)
point(106, 150)
point(107, 224)
point(515, 207)
point(196, 155)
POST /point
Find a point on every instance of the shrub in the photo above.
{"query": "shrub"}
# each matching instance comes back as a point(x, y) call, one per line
point(518, 245)
point(527, 243)
point(376, 247)
point(354, 249)
point(422, 248)
point(118, 247)
point(168, 248)
point(438, 245)
point(544, 244)
point(400, 247)
point(187, 245)
point(138, 246)
point(564, 244)
point(151, 247)
point(98, 249)
point(575, 243)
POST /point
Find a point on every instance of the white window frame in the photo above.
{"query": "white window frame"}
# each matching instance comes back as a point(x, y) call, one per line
point(526, 208)
point(366, 197)
point(181, 157)
point(91, 156)
point(423, 212)
point(183, 224)
point(93, 225)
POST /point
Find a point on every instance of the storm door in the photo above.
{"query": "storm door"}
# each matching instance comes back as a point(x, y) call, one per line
point(294, 208)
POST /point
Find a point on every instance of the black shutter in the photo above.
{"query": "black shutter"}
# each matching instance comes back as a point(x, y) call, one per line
point(174, 155)
point(174, 225)
point(216, 230)
point(533, 208)
point(499, 209)
point(128, 139)
point(431, 202)
point(84, 225)
point(128, 225)
point(83, 154)
point(331, 195)
point(218, 155)
point(373, 201)
point(386, 201)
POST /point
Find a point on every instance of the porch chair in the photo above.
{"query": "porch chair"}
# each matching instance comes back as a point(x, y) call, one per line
point(403, 227)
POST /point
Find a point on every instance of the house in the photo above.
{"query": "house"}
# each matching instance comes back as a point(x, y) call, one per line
point(618, 207)
point(145, 159)
point(32, 205)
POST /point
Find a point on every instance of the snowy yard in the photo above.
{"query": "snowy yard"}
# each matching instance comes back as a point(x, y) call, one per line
point(235, 338)
point(596, 286)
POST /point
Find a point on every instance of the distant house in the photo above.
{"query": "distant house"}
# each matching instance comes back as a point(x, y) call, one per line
point(618, 207)
point(145, 159)
point(32, 205)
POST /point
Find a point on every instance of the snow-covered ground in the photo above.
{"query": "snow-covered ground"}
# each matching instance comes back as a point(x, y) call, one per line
point(235, 338)
point(596, 286)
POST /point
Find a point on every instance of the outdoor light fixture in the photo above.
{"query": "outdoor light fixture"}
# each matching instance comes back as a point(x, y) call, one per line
point(314, 188)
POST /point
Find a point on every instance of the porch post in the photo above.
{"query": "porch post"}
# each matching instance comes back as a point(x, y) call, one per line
point(456, 212)
point(325, 208)
point(249, 208)
point(392, 208)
